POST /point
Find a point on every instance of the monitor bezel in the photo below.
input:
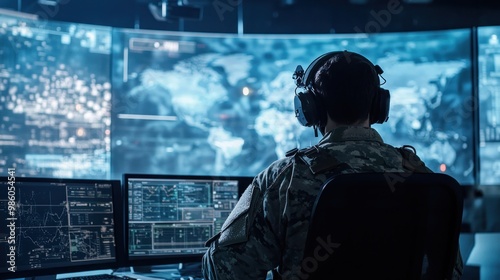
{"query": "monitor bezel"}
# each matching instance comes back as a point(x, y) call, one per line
point(165, 259)
point(119, 260)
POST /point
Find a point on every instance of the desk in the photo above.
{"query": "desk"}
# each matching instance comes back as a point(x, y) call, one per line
point(480, 250)
point(122, 272)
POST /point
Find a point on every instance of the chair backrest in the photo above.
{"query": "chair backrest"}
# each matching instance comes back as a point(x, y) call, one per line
point(384, 226)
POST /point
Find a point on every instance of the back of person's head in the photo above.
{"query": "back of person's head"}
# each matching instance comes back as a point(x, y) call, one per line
point(346, 85)
point(342, 85)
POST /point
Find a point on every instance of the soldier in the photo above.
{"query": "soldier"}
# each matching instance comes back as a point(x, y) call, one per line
point(340, 95)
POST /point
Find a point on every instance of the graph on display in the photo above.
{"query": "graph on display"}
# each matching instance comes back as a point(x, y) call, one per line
point(174, 215)
point(60, 224)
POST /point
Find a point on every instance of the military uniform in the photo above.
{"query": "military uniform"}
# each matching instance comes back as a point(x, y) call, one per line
point(268, 227)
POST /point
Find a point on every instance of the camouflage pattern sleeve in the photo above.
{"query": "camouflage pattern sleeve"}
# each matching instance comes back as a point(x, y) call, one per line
point(247, 246)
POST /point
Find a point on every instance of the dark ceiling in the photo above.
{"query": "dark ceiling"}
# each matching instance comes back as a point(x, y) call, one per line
point(273, 16)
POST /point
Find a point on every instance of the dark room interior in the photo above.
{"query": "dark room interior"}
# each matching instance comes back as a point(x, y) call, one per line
point(125, 92)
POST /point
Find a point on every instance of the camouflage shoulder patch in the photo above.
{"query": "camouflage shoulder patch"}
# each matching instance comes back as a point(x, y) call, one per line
point(235, 229)
point(318, 159)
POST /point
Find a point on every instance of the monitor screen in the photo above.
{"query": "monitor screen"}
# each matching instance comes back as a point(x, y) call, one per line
point(489, 104)
point(53, 226)
point(55, 98)
point(225, 101)
point(170, 217)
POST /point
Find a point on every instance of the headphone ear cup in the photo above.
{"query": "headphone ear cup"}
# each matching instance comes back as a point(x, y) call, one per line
point(380, 106)
point(306, 109)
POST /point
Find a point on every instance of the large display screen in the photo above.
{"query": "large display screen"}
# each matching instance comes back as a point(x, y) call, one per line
point(489, 104)
point(190, 103)
point(76, 105)
point(55, 98)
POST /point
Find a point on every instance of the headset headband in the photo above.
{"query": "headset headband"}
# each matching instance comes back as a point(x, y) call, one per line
point(309, 110)
point(305, 79)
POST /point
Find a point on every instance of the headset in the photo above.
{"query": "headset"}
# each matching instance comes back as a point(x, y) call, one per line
point(310, 111)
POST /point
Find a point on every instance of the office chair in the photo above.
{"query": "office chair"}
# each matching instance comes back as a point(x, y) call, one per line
point(384, 226)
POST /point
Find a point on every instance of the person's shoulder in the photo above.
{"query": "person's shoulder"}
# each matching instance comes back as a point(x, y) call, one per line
point(411, 161)
point(275, 171)
point(303, 163)
point(282, 162)
point(318, 159)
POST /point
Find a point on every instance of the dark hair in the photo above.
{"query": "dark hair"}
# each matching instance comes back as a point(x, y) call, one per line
point(346, 85)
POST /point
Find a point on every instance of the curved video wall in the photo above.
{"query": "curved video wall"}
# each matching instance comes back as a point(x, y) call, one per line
point(82, 101)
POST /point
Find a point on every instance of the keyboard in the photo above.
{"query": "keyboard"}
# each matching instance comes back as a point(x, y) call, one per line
point(100, 277)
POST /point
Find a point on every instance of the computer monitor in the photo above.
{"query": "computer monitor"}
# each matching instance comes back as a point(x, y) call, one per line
point(170, 217)
point(52, 226)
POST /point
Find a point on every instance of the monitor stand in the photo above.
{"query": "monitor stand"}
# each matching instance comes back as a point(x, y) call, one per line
point(192, 269)
point(155, 268)
point(177, 270)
